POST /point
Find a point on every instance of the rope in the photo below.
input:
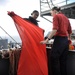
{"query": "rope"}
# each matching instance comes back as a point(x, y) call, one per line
point(52, 2)
point(48, 4)
point(47, 19)
point(9, 35)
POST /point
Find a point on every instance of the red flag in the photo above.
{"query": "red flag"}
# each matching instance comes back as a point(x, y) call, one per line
point(33, 58)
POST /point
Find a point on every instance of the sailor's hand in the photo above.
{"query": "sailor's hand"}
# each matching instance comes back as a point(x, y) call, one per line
point(44, 41)
point(10, 13)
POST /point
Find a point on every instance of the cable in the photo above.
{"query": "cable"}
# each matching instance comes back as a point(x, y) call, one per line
point(52, 2)
point(47, 19)
point(48, 4)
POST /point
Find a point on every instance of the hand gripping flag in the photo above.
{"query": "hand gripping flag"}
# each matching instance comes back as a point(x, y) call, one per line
point(33, 58)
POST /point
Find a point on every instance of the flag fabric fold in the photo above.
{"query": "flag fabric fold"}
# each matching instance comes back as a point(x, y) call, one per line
point(33, 58)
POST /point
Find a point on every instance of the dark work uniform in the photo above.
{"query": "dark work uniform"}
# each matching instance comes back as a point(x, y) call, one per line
point(32, 20)
point(60, 46)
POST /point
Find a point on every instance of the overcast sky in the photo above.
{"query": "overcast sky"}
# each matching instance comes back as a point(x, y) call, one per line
point(22, 8)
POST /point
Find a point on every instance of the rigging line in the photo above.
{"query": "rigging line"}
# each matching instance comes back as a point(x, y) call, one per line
point(8, 35)
point(47, 19)
point(52, 2)
point(48, 4)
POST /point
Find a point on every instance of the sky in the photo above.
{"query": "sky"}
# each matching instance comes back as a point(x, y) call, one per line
point(22, 8)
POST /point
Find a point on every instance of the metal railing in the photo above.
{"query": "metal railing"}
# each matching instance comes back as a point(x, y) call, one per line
point(48, 4)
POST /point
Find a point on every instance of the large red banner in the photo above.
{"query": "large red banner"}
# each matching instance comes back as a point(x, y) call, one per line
point(33, 58)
